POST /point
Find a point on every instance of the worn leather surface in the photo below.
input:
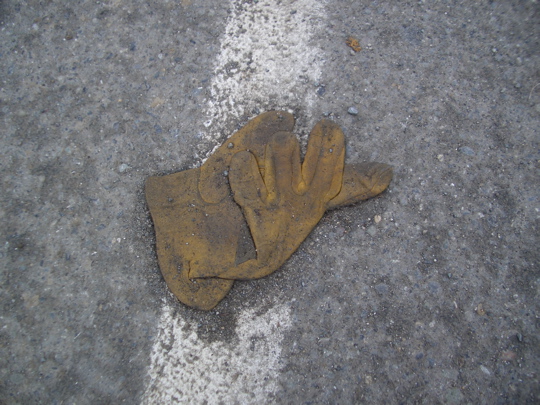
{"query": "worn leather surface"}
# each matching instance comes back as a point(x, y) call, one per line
point(244, 212)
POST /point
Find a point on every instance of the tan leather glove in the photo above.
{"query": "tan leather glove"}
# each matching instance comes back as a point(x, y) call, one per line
point(202, 237)
point(281, 199)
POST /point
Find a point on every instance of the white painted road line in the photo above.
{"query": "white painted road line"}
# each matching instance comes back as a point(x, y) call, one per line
point(185, 369)
point(265, 57)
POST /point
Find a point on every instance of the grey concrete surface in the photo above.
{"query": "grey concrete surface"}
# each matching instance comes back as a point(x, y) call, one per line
point(427, 294)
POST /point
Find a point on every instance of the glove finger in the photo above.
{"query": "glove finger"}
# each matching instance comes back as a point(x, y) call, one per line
point(246, 182)
point(285, 159)
point(362, 181)
point(322, 169)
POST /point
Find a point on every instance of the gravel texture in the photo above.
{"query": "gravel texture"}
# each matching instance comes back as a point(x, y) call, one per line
point(427, 294)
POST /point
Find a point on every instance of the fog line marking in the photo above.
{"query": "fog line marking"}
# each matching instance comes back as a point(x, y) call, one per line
point(265, 57)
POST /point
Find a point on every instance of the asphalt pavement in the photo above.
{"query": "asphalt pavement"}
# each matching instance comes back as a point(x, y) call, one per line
point(428, 293)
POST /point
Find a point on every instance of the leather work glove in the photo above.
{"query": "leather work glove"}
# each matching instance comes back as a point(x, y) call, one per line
point(206, 236)
point(284, 202)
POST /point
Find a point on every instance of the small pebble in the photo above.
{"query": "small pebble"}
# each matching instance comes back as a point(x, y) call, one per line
point(123, 168)
point(230, 145)
point(382, 289)
point(480, 310)
point(467, 151)
point(377, 219)
point(485, 370)
point(352, 111)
